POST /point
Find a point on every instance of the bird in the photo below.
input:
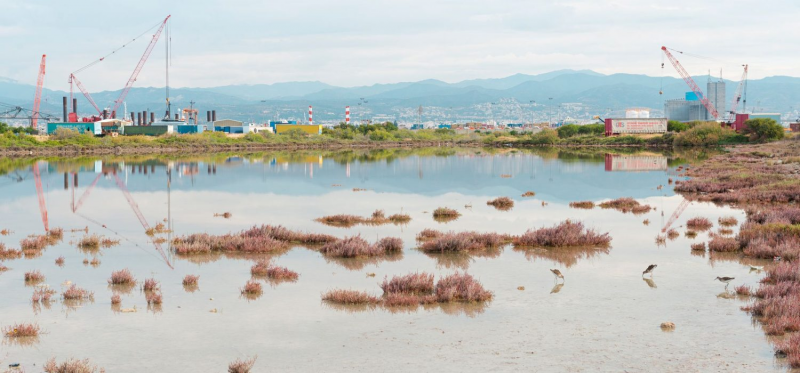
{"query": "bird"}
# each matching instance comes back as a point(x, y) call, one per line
point(756, 268)
point(725, 280)
point(557, 273)
point(650, 269)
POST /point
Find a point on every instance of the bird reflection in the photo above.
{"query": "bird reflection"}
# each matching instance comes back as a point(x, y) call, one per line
point(650, 283)
point(556, 288)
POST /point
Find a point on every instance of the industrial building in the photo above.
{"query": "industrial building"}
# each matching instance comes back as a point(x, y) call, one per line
point(690, 108)
point(313, 129)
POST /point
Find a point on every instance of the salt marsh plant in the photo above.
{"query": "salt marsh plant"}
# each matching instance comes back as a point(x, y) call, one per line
point(444, 214)
point(252, 288)
point(529, 194)
point(355, 246)
point(462, 242)
point(75, 293)
point(71, 366)
point(413, 283)
point(625, 205)
point(153, 298)
point(258, 239)
point(60, 261)
point(378, 217)
point(699, 224)
point(567, 233)
point(89, 242)
point(36, 243)
point(122, 277)
point(700, 246)
point(190, 281)
point(33, 277)
point(723, 245)
point(501, 203)
point(242, 365)
point(7, 253)
point(151, 284)
point(116, 299)
point(350, 297)
point(673, 234)
point(728, 221)
point(587, 205)
point(461, 287)
point(22, 330)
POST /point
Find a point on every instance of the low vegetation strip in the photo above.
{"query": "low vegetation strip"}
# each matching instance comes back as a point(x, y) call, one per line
point(355, 247)
point(626, 205)
point(258, 239)
point(377, 218)
point(565, 234)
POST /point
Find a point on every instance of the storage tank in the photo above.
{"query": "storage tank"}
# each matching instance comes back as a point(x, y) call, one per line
point(630, 126)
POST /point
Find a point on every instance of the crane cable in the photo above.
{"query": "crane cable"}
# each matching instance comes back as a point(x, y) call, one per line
point(115, 50)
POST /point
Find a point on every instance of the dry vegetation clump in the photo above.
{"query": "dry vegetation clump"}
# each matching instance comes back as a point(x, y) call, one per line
point(428, 234)
point(699, 224)
point(626, 205)
point(107, 242)
point(413, 283)
point(661, 240)
point(22, 330)
point(3, 268)
point(116, 299)
point(34, 243)
point(743, 290)
point(444, 214)
point(350, 297)
point(54, 235)
point(89, 242)
point(529, 194)
point(725, 231)
point(463, 242)
point(242, 365)
point(71, 366)
point(355, 246)
point(723, 245)
point(277, 273)
point(377, 218)
point(95, 262)
point(587, 205)
point(151, 284)
point(5, 232)
point(191, 280)
point(501, 203)
point(122, 277)
point(673, 234)
point(42, 295)
point(6, 253)
point(646, 222)
point(691, 234)
point(154, 297)
point(461, 287)
point(34, 276)
point(252, 287)
point(258, 239)
point(159, 228)
point(226, 215)
point(567, 233)
point(60, 261)
point(76, 293)
point(700, 246)
point(728, 221)
point(259, 269)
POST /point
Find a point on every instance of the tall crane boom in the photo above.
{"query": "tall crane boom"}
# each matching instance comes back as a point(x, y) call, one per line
point(40, 193)
point(37, 100)
point(139, 215)
point(139, 67)
point(738, 96)
point(690, 82)
point(73, 78)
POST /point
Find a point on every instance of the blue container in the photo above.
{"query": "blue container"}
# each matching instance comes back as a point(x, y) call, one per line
point(191, 128)
point(447, 126)
point(80, 127)
point(691, 96)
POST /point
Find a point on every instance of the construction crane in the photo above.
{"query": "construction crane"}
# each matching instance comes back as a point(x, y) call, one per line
point(73, 79)
point(738, 96)
point(8, 111)
point(675, 215)
point(40, 193)
point(690, 82)
point(37, 100)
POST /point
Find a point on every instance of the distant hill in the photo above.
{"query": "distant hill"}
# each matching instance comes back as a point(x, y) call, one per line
point(263, 101)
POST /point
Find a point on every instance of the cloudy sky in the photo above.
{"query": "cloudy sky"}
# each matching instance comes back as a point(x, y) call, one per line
point(355, 42)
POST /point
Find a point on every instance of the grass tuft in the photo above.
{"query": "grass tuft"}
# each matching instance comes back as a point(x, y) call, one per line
point(242, 365)
point(22, 330)
point(587, 205)
point(565, 234)
point(699, 224)
point(501, 203)
point(122, 277)
point(71, 366)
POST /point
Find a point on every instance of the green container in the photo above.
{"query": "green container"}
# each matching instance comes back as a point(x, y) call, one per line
point(145, 130)
point(80, 127)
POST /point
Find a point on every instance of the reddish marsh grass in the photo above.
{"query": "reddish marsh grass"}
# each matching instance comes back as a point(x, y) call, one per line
point(428, 234)
point(76, 293)
point(444, 214)
point(107, 242)
point(151, 284)
point(725, 231)
point(390, 244)
point(728, 221)
point(34, 276)
point(281, 273)
point(567, 233)
point(71, 366)
point(89, 242)
point(691, 234)
point(700, 246)
point(352, 297)
point(55, 235)
point(625, 205)
point(153, 298)
point(723, 245)
point(258, 239)
point(661, 240)
point(259, 269)
point(528, 194)
point(501, 203)
point(461, 287)
point(36, 243)
point(60, 261)
point(122, 277)
point(377, 218)
point(699, 224)
point(3, 268)
point(22, 330)
point(242, 365)
point(95, 262)
point(413, 283)
point(252, 288)
point(673, 234)
point(355, 246)
point(6, 254)
point(42, 295)
point(742, 290)
point(463, 242)
point(226, 215)
point(116, 299)
point(587, 205)
point(191, 280)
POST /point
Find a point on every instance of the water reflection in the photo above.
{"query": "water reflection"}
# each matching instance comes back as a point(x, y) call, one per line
point(566, 256)
point(650, 282)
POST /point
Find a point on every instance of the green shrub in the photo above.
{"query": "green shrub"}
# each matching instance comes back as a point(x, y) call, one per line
point(568, 130)
point(763, 129)
point(545, 137)
point(707, 134)
point(675, 126)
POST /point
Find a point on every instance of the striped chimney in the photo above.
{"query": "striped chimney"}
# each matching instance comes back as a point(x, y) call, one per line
point(347, 114)
point(310, 115)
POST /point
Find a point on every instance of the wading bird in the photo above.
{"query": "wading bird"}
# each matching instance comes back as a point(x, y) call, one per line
point(557, 273)
point(725, 280)
point(756, 268)
point(649, 270)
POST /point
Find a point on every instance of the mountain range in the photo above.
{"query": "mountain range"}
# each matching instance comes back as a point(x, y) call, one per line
point(596, 92)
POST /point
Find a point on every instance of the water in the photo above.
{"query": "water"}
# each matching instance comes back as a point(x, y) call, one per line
point(605, 317)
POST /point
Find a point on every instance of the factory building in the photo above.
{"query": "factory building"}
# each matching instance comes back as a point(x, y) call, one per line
point(690, 108)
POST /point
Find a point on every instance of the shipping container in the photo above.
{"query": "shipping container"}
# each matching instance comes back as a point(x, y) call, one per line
point(157, 130)
point(795, 127)
point(314, 129)
point(617, 162)
point(738, 124)
point(629, 126)
point(82, 127)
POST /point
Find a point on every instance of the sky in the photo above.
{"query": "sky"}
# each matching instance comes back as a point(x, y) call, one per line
point(354, 42)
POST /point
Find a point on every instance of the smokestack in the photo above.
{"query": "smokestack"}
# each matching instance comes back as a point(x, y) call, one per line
point(310, 115)
point(65, 109)
point(138, 119)
point(133, 117)
point(75, 180)
point(66, 181)
point(213, 115)
point(105, 113)
point(347, 115)
point(144, 117)
point(208, 116)
point(177, 117)
point(152, 117)
point(75, 105)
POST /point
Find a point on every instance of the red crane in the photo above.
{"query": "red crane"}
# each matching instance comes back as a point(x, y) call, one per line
point(139, 66)
point(738, 96)
point(690, 82)
point(74, 79)
point(37, 101)
point(40, 193)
